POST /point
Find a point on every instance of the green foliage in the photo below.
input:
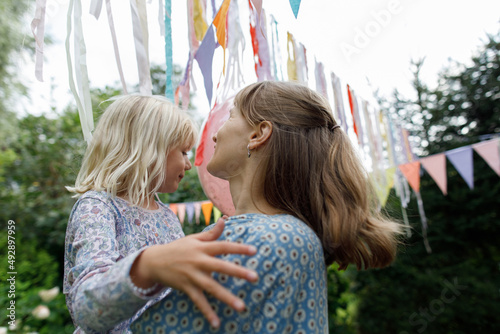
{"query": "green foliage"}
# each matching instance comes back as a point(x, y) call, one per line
point(455, 288)
point(36, 270)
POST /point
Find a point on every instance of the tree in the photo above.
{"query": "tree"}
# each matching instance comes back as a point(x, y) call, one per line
point(455, 288)
point(15, 41)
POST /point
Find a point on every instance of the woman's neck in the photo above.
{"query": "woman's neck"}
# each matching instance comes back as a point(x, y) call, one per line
point(248, 197)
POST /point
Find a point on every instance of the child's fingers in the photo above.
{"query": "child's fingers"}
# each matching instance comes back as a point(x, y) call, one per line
point(211, 235)
point(231, 269)
point(225, 247)
point(200, 300)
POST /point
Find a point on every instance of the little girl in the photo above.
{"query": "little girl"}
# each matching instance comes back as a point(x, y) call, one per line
point(125, 250)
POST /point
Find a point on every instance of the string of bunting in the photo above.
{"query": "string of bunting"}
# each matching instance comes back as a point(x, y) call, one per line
point(190, 212)
point(383, 143)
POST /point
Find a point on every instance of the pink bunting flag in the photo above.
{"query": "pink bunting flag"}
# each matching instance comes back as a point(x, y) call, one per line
point(258, 6)
point(197, 212)
point(181, 211)
point(461, 158)
point(488, 150)
point(435, 165)
point(411, 171)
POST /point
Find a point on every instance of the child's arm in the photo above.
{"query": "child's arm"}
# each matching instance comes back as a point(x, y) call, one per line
point(98, 294)
point(187, 264)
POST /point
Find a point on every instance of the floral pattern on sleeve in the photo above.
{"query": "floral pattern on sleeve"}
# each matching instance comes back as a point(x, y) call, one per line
point(103, 238)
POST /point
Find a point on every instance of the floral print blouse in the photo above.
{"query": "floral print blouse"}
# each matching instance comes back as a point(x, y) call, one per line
point(104, 236)
point(290, 296)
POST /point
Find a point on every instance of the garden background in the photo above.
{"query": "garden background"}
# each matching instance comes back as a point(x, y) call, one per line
point(454, 289)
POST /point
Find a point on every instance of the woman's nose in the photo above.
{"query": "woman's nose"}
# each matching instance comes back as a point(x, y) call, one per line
point(214, 138)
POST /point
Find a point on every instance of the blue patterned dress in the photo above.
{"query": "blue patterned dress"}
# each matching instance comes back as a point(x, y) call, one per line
point(290, 296)
point(103, 238)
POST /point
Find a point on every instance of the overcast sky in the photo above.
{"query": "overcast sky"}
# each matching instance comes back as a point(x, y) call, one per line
point(359, 40)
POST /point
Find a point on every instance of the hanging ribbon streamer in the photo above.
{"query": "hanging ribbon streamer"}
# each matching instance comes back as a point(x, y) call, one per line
point(220, 24)
point(261, 56)
point(199, 24)
point(82, 94)
point(356, 120)
point(38, 30)
point(301, 61)
point(291, 63)
point(115, 45)
point(320, 78)
point(169, 89)
point(276, 51)
point(161, 18)
point(423, 219)
point(339, 101)
point(140, 28)
point(197, 28)
point(95, 8)
point(236, 46)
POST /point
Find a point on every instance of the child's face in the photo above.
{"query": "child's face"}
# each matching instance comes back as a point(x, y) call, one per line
point(177, 164)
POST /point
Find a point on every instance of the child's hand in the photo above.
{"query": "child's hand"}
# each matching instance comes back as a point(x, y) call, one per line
point(187, 265)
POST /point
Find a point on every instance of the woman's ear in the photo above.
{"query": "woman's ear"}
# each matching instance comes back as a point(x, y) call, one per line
point(262, 132)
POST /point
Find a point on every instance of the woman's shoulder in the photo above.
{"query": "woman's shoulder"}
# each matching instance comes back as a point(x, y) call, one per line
point(279, 229)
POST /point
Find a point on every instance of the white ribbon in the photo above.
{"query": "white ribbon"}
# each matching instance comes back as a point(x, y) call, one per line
point(95, 8)
point(140, 28)
point(115, 46)
point(38, 30)
point(82, 99)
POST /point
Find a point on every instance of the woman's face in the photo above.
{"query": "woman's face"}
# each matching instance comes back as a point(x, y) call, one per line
point(230, 146)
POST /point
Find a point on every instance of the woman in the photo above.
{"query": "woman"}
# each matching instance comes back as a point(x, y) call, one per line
point(301, 197)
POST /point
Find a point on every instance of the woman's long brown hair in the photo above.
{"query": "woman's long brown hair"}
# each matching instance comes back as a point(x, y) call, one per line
point(314, 173)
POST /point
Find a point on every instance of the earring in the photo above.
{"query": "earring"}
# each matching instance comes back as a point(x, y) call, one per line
point(248, 149)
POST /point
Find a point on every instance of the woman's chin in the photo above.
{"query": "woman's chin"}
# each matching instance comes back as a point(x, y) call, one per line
point(216, 172)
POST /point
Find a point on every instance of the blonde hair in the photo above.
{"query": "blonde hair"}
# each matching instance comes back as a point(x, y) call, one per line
point(127, 154)
point(313, 173)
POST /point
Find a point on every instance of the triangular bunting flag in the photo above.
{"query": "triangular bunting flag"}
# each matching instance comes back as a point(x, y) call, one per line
point(181, 211)
point(411, 171)
point(190, 212)
point(206, 207)
point(295, 7)
point(173, 207)
point(489, 152)
point(217, 214)
point(220, 23)
point(435, 165)
point(461, 158)
point(197, 211)
point(204, 56)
